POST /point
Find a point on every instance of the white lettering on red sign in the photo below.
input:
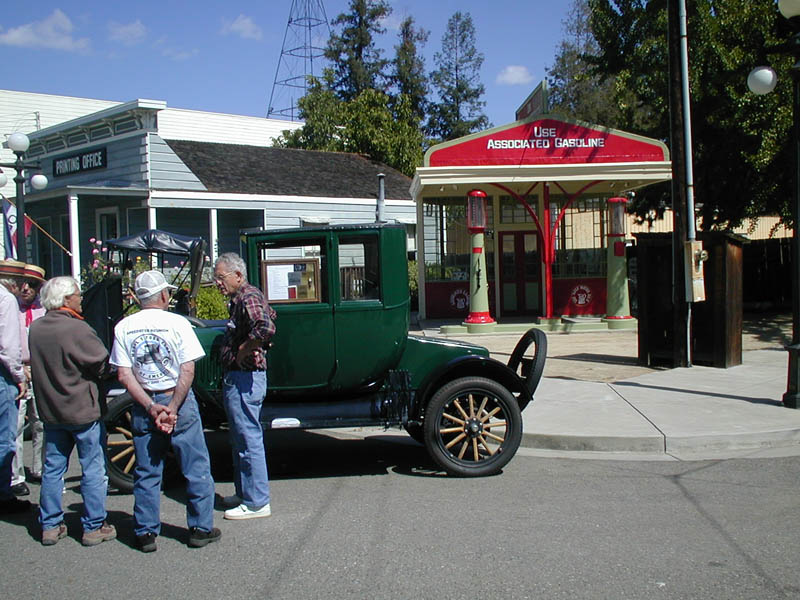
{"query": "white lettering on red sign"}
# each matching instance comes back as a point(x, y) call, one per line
point(544, 143)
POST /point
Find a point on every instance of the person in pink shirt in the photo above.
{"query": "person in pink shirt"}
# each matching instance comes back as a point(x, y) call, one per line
point(13, 385)
point(30, 308)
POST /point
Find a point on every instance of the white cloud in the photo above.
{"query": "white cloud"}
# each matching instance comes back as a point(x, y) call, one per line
point(393, 22)
point(514, 75)
point(175, 54)
point(53, 32)
point(243, 27)
point(128, 34)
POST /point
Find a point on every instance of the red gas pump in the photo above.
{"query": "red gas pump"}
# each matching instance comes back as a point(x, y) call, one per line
point(478, 284)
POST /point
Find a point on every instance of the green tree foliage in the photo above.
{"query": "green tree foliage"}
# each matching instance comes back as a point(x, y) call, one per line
point(575, 91)
point(348, 109)
point(408, 74)
point(369, 124)
point(456, 81)
point(356, 61)
point(211, 304)
point(741, 149)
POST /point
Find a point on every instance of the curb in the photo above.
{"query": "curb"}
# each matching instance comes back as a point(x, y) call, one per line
point(594, 443)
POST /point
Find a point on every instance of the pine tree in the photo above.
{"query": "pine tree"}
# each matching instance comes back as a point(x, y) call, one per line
point(356, 61)
point(409, 67)
point(456, 81)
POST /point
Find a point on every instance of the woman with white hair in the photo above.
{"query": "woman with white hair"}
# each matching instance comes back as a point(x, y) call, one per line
point(68, 361)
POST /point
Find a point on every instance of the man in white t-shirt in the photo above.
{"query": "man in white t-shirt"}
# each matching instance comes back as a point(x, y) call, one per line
point(154, 351)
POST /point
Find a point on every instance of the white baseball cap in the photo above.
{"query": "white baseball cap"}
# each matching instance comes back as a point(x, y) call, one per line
point(150, 283)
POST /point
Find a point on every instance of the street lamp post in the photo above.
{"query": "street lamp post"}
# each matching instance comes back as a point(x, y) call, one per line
point(18, 143)
point(762, 80)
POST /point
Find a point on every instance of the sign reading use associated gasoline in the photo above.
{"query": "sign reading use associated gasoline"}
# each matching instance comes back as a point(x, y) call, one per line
point(546, 141)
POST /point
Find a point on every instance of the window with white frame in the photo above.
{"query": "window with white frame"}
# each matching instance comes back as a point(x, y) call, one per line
point(107, 223)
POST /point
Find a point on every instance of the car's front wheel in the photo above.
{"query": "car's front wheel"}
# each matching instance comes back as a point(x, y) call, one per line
point(473, 427)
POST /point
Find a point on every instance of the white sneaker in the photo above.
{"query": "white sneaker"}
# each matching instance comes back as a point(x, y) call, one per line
point(231, 501)
point(244, 512)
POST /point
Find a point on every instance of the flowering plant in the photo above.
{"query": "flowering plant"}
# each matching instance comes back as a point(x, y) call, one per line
point(98, 268)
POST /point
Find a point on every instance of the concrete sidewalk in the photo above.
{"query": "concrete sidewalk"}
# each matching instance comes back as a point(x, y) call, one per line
point(685, 413)
point(595, 400)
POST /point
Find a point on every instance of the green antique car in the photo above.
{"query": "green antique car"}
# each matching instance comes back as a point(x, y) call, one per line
point(342, 355)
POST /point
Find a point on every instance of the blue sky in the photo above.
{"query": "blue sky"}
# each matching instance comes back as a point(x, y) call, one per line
point(222, 56)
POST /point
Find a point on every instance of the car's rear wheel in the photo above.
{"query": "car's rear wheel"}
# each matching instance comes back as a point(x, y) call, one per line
point(120, 455)
point(473, 427)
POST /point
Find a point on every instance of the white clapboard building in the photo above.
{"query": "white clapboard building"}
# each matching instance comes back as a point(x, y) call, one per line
point(116, 168)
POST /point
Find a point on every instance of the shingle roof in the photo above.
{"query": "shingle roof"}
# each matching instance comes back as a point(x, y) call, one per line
point(288, 172)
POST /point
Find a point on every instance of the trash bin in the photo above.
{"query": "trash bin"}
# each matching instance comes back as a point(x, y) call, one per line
point(716, 323)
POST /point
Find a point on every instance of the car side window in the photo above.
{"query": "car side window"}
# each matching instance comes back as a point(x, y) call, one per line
point(359, 268)
point(295, 271)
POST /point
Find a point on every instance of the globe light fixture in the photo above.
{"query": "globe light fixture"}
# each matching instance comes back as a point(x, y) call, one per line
point(762, 80)
point(789, 8)
point(19, 143)
point(38, 181)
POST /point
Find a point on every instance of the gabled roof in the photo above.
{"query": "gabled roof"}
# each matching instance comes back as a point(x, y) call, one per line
point(288, 172)
point(577, 157)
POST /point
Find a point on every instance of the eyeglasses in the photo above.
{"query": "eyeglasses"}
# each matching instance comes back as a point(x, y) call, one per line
point(220, 278)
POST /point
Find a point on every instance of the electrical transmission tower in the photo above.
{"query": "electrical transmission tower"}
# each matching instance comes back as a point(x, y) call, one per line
point(306, 36)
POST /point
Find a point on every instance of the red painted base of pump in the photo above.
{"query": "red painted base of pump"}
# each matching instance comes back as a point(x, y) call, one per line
point(479, 318)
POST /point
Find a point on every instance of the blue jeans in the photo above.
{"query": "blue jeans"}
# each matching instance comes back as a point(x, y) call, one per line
point(151, 446)
point(8, 430)
point(58, 445)
point(243, 393)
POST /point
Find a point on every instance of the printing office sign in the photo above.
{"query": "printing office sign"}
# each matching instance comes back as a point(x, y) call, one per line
point(78, 163)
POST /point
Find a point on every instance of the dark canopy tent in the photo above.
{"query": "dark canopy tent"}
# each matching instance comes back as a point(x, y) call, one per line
point(102, 303)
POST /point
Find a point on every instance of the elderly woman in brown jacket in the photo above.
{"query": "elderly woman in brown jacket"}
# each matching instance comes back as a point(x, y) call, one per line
point(68, 361)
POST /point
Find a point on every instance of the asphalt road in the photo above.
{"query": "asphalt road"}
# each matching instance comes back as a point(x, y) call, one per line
point(371, 518)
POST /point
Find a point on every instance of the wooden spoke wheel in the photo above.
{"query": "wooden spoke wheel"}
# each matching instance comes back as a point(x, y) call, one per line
point(473, 427)
point(120, 454)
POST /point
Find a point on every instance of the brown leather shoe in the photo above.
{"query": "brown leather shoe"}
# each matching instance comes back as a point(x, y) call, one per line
point(50, 537)
point(98, 536)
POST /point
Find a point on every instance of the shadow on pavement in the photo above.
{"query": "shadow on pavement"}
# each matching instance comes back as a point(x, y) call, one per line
point(607, 359)
point(768, 328)
point(307, 454)
point(703, 393)
point(303, 454)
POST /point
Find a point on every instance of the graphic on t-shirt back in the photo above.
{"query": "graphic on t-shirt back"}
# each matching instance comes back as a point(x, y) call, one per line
point(151, 356)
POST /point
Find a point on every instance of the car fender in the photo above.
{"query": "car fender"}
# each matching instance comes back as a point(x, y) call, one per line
point(467, 366)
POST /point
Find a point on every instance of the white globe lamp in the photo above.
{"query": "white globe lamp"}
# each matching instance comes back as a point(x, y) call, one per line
point(18, 142)
point(789, 8)
point(38, 181)
point(762, 80)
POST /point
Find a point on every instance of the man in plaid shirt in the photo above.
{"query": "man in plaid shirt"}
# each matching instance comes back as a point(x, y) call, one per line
point(244, 361)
